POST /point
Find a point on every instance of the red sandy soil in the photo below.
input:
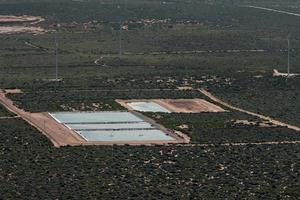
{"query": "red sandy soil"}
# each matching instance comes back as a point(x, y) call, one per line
point(277, 73)
point(23, 29)
point(24, 18)
point(178, 105)
point(21, 20)
point(13, 91)
point(189, 105)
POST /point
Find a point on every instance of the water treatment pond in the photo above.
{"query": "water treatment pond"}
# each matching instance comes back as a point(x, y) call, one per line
point(111, 126)
point(147, 107)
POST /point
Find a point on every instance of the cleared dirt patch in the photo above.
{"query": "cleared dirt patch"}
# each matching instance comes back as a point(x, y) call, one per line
point(276, 73)
point(20, 19)
point(21, 29)
point(189, 105)
point(20, 24)
point(13, 91)
point(263, 124)
point(178, 105)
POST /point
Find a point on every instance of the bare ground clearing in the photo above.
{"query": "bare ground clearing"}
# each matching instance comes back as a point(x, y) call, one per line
point(21, 19)
point(5, 28)
point(288, 75)
point(21, 29)
point(13, 91)
point(263, 124)
point(189, 105)
point(178, 105)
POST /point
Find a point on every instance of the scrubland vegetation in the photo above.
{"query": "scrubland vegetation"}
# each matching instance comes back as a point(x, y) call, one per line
point(31, 168)
point(220, 45)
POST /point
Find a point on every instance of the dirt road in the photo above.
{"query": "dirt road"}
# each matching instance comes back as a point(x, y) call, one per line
point(274, 121)
point(240, 144)
point(273, 10)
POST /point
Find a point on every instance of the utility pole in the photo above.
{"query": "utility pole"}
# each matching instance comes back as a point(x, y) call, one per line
point(288, 65)
point(120, 40)
point(120, 33)
point(56, 57)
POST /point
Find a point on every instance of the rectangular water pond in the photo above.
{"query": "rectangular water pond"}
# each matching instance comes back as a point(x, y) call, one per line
point(139, 125)
point(95, 117)
point(132, 135)
point(111, 126)
point(144, 106)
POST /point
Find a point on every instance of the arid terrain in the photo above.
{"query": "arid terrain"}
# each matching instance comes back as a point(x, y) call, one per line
point(143, 99)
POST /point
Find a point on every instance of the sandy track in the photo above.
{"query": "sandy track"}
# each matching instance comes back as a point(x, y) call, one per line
point(273, 121)
point(15, 117)
point(274, 10)
point(241, 144)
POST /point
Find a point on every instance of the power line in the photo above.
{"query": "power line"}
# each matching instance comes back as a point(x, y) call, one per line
point(120, 40)
point(288, 64)
point(56, 57)
point(120, 33)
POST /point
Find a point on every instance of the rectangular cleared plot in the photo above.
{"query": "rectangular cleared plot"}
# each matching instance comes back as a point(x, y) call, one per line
point(147, 107)
point(139, 125)
point(95, 117)
point(134, 135)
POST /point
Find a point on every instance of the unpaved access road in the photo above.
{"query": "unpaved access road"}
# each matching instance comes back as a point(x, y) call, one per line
point(273, 121)
point(239, 144)
point(274, 10)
